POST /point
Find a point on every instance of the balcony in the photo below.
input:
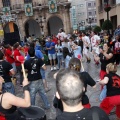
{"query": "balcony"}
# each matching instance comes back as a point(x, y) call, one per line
point(113, 2)
point(100, 8)
point(37, 5)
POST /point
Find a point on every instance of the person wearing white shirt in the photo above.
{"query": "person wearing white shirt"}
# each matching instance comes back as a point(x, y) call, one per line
point(86, 45)
point(59, 50)
point(70, 44)
point(95, 40)
point(61, 35)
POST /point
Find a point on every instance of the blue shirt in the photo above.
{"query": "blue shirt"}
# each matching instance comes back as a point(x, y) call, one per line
point(117, 32)
point(50, 44)
point(38, 54)
point(37, 47)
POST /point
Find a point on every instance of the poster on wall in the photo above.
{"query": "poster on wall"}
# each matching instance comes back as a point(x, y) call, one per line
point(28, 9)
point(1, 30)
point(6, 11)
point(117, 1)
point(52, 6)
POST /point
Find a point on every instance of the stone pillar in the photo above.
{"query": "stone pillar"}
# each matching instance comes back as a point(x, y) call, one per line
point(66, 20)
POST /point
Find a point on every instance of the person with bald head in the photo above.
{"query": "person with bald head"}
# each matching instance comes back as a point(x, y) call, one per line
point(70, 88)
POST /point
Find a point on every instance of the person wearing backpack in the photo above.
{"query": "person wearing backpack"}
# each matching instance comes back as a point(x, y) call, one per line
point(70, 88)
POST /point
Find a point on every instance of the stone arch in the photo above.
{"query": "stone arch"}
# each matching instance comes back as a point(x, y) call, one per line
point(33, 28)
point(11, 33)
point(54, 23)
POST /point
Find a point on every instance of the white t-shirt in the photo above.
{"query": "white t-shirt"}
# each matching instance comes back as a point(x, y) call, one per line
point(61, 36)
point(86, 41)
point(59, 48)
point(94, 40)
point(70, 44)
point(65, 44)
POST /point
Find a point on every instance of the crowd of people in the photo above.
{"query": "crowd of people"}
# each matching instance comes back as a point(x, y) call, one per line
point(65, 54)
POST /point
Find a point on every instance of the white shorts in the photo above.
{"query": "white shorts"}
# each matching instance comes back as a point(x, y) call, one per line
point(52, 56)
point(96, 50)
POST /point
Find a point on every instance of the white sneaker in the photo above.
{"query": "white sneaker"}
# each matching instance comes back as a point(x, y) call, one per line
point(51, 68)
point(54, 68)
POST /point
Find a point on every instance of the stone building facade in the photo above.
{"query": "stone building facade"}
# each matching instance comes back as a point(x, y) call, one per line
point(114, 14)
point(42, 19)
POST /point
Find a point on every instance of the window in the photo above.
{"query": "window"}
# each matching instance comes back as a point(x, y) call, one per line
point(95, 20)
point(89, 4)
point(6, 3)
point(89, 13)
point(27, 1)
point(95, 12)
point(82, 13)
point(80, 5)
point(94, 4)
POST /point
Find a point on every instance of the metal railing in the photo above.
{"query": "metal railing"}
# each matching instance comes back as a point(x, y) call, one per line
point(36, 5)
point(113, 2)
point(101, 8)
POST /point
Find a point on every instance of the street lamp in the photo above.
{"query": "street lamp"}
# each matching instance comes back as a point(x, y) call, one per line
point(107, 8)
point(90, 21)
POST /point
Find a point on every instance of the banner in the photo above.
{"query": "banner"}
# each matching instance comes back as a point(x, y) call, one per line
point(11, 27)
point(28, 9)
point(6, 11)
point(52, 6)
point(1, 30)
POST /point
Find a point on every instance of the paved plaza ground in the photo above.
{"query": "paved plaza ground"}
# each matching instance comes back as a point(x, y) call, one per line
point(92, 93)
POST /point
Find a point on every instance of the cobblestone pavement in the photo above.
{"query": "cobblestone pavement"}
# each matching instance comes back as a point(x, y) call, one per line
point(92, 93)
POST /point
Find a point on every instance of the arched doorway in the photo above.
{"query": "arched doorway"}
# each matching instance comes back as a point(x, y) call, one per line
point(32, 29)
point(54, 24)
point(11, 33)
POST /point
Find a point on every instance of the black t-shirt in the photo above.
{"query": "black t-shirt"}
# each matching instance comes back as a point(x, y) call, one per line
point(104, 61)
point(113, 85)
point(87, 79)
point(94, 113)
point(33, 66)
point(5, 68)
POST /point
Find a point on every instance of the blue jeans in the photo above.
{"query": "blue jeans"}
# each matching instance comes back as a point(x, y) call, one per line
point(19, 69)
point(103, 93)
point(60, 59)
point(42, 72)
point(37, 86)
point(14, 67)
point(9, 87)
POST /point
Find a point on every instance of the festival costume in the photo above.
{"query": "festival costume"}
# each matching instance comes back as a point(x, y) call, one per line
point(113, 94)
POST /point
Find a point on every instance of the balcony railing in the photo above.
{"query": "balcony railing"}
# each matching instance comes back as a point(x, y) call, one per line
point(37, 5)
point(113, 2)
point(101, 8)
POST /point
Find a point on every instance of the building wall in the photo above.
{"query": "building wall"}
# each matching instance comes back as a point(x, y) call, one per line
point(63, 14)
point(91, 10)
point(82, 10)
point(114, 12)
